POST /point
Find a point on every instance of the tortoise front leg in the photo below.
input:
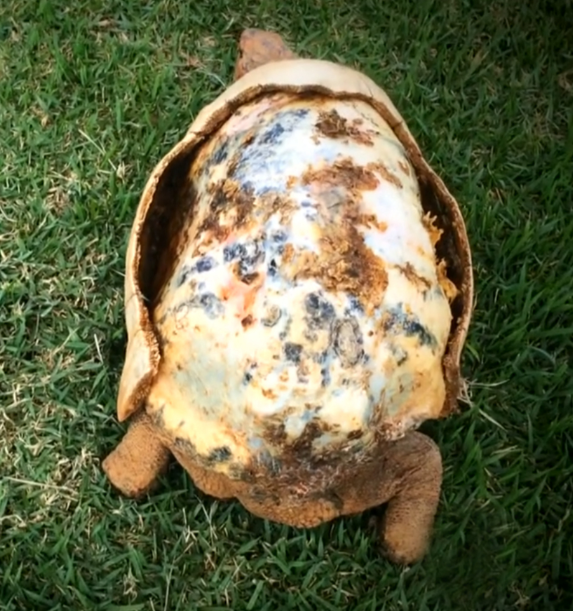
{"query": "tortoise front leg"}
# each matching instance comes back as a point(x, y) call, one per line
point(258, 47)
point(134, 466)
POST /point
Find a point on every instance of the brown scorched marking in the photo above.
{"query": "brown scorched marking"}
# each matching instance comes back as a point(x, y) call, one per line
point(345, 263)
point(447, 285)
point(370, 220)
point(413, 276)
point(268, 393)
point(288, 253)
point(271, 203)
point(247, 321)
point(299, 449)
point(332, 125)
point(435, 232)
point(345, 173)
point(228, 199)
point(385, 173)
point(342, 173)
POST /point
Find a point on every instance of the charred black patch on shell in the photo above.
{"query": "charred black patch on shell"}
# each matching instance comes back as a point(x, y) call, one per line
point(208, 302)
point(251, 256)
point(286, 329)
point(248, 255)
point(347, 341)
point(292, 352)
point(185, 274)
point(204, 264)
point(354, 306)
point(295, 115)
point(320, 312)
point(272, 268)
point(324, 376)
point(233, 251)
point(275, 244)
point(399, 321)
point(248, 375)
point(221, 153)
point(259, 154)
point(272, 135)
point(282, 122)
point(279, 236)
point(219, 455)
point(321, 358)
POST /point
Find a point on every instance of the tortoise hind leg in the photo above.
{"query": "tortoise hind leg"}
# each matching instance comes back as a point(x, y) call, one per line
point(258, 47)
point(408, 477)
point(406, 526)
point(134, 466)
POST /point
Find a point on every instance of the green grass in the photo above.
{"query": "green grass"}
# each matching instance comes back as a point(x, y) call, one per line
point(91, 97)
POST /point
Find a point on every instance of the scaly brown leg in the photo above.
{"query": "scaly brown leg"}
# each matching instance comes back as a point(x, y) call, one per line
point(258, 47)
point(408, 477)
point(415, 463)
point(134, 466)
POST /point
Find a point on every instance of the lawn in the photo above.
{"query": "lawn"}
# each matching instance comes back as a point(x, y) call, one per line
point(91, 96)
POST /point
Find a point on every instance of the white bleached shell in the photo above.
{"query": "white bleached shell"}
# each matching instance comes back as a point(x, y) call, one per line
point(305, 288)
point(298, 309)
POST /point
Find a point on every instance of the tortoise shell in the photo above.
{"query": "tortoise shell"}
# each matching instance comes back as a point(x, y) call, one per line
point(298, 280)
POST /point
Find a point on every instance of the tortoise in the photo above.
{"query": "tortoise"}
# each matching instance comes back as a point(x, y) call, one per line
point(298, 292)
